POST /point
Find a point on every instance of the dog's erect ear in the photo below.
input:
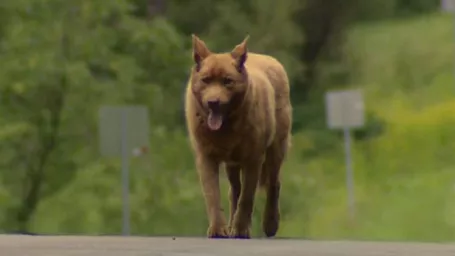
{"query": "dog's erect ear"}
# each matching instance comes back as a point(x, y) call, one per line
point(200, 51)
point(240, 54)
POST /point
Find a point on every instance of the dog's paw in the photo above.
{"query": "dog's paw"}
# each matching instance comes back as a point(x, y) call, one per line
point(239, 233)
point(270, 227)
point(217, 232)
point(271, 223)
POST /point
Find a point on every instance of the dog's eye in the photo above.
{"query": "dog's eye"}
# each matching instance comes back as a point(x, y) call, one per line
point(227, 81)
point(206, 80)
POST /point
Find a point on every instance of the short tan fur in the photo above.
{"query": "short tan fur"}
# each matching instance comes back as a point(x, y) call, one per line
point(238, 112)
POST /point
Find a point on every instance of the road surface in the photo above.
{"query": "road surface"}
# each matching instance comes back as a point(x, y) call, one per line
point(15, 245)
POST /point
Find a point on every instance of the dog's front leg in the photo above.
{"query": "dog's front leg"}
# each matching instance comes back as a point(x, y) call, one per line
point(242, 218)
point(209, 178)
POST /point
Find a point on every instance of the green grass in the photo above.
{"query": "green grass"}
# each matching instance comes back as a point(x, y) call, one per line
point(405, 179)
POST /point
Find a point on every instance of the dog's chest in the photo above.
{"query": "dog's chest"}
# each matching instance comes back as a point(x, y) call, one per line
point(227, 145)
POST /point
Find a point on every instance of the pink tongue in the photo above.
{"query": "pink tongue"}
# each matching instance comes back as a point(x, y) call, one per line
point(215, 121)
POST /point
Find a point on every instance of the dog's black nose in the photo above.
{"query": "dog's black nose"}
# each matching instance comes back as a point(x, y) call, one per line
point(213, 104)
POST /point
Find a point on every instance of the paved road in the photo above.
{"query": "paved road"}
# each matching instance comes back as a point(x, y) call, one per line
point(167, 246)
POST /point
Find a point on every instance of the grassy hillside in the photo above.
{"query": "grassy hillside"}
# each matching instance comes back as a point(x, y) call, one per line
point(404, 179)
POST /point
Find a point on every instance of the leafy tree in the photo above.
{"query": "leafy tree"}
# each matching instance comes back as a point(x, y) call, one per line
point(61, 61)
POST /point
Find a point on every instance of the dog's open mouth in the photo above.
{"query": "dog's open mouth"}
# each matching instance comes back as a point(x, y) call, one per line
point(215, 120)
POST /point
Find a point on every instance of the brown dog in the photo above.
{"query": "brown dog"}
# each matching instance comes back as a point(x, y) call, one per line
point(238, 112)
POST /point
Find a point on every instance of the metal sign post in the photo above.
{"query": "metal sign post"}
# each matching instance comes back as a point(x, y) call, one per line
point(123, 129)
point(345, 110)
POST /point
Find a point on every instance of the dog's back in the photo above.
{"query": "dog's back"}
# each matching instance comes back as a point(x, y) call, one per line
point(277, 75)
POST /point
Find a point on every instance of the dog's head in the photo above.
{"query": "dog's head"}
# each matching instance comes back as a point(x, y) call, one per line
point(219, 79)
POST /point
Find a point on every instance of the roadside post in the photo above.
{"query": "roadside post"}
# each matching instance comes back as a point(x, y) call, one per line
point(123, 132)
point(345, 111)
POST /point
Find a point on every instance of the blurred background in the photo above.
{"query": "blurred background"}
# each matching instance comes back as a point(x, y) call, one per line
point(60, 61)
